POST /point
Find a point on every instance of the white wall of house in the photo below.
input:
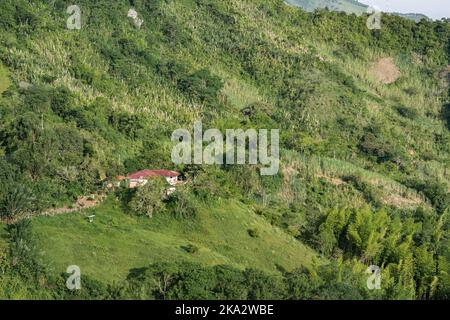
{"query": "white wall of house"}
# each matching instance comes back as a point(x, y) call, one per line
point(172, 180)
point(133, 183)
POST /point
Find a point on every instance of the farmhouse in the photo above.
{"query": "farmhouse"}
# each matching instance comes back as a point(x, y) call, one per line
point(140, 178)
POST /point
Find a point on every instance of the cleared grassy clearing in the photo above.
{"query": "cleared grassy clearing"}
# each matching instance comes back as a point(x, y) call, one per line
point(115, 242)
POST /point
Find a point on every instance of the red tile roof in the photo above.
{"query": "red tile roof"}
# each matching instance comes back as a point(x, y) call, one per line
point(143, 174)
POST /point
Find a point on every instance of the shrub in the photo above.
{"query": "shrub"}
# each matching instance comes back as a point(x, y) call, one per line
point(90, 289)
point(261, 286)
point(406, 112)
point(148, 199)
point(209, 184)
point(272, 215)
point(182, 204)
point(446, 115)
point(38, 98)
point(254, 233)
point(126, 123)
point(374, 146)
point(171, 70)
point(84, 72)
point(190, 248)
point(16, 200)
point(22, 248)
point(201, 85)
point(155, 281)
point(435, 191)
point(61, 99)
point(300, 284)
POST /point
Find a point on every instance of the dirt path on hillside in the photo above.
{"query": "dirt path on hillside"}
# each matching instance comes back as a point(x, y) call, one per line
point(82, 203)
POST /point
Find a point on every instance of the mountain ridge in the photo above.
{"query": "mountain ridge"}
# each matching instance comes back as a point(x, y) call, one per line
point(348, 6)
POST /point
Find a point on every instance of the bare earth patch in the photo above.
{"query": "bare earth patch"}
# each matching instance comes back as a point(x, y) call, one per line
point(401, 202)
point(333, 181)
point(385, 70)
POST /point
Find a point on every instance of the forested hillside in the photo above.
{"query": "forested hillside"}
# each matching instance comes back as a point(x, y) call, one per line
point(364, 179)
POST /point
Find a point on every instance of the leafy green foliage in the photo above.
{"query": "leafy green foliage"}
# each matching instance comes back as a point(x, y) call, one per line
point(253, 233)
point(388, 241)
point(182, 203)
point(149, 198)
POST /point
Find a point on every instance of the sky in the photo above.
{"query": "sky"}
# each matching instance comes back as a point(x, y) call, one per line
point(435, 9)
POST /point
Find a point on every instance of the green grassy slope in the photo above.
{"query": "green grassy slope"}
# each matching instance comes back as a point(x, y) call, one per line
point(115, 242)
